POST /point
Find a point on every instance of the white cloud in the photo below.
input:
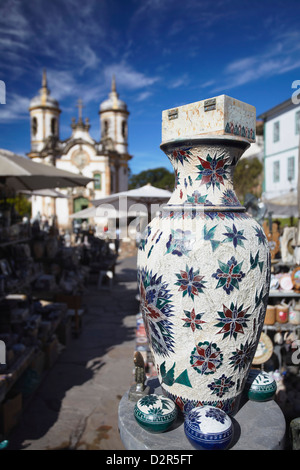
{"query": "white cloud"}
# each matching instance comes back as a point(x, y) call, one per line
point(143, 96)
point(16, 108)
point(280, 57)
point(127, 77)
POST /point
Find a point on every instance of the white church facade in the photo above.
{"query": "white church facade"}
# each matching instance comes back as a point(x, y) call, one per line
point(106, 160)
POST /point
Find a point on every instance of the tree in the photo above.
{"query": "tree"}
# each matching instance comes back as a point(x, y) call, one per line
point(158, 177)
point(247, 177)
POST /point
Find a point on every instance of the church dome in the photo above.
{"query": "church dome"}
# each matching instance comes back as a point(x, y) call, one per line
point(43, 99)
point(113, 101)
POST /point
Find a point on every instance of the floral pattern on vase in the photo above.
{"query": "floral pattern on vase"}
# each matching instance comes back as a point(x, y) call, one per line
point(206, 272)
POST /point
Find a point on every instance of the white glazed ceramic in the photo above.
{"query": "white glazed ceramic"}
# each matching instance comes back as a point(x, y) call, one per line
point(208, 428)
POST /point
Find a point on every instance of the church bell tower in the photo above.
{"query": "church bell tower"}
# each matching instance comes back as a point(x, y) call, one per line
point(44, 120)
point(114, 120)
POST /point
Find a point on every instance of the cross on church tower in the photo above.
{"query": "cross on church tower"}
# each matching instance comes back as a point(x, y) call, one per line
point(80, 106)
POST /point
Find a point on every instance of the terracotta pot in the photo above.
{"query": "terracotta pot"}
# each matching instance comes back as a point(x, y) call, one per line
point(270, 317)
point(204, 273)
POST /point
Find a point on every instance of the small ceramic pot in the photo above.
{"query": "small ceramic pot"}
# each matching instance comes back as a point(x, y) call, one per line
point(155, 413)
point(282, 313)
point(208, 428)
point(270, 317)
point(260, 386)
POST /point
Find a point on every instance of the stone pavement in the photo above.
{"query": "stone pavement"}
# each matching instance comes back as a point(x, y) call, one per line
point(76, 405)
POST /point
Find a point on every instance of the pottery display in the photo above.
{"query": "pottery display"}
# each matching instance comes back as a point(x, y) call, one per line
point(155, 413)
point(282, 313)
point(260, 386)
point(204, 263)
point(208, 428)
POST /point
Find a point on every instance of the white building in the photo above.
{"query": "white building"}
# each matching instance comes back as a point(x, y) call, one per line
point(281, 140)
point(105, 160)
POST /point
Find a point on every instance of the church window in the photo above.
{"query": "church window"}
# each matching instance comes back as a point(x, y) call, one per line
point(105, 128)
point(124, 129)
point(34, 125)
point(97, 181)
point(53, 126)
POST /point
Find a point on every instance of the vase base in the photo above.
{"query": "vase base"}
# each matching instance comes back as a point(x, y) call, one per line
point(229, 406)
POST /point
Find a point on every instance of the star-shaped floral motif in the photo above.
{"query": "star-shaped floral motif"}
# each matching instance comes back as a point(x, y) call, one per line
point(233, 320)
point(221, 385)
point(192, 320)
point(182, 155)
point(190, 282)
point(180, 242)
point(234, 236)
point(229, 275)
point(206, 358)
point(241, 357)
point(156, 308)
point(261, 236)
point(213, 171)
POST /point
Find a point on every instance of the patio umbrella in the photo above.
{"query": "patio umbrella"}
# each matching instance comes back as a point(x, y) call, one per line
point(92, 212)
point(45, 193)
point(20, 173)
point(145, 195)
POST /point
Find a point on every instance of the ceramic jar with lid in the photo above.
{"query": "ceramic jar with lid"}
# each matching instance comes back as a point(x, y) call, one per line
point(260, 386)
point(155, 413)
point(208, 428)
point(204, 263)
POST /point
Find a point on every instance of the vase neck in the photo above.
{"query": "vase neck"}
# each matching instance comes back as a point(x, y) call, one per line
point(204, 172)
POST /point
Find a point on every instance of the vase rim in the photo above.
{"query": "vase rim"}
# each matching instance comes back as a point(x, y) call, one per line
point(233, 141)
point(202, 208)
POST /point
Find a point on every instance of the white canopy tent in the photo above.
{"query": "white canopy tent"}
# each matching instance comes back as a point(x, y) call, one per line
point(115, 209)
point(285, 205)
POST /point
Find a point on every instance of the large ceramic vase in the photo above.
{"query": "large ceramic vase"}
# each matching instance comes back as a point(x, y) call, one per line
point(203, 272)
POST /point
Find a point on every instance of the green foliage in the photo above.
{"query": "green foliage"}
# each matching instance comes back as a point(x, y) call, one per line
point(20, 204)
point(158, 177)
point(247, 177)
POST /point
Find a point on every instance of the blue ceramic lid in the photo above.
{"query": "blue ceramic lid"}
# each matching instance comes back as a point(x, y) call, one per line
point(208, 422)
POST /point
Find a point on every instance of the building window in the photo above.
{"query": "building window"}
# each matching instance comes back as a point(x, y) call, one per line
point(124, 129)
point(105, 128)
point(97, 181)
point(276, 131)
point(53, 126)
point(34, 125)
point(297, 122)
point(291, 168)
point(276, 169)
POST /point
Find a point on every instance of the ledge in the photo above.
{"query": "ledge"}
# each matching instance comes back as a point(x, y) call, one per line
point(257, 426)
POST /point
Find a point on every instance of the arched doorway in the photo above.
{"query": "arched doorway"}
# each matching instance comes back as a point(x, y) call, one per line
point(80, 203)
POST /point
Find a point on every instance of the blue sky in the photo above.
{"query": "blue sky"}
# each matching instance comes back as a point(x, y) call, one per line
point(164, 53)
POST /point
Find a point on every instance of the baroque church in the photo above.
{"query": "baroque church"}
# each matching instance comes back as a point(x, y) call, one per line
point(106, 160)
